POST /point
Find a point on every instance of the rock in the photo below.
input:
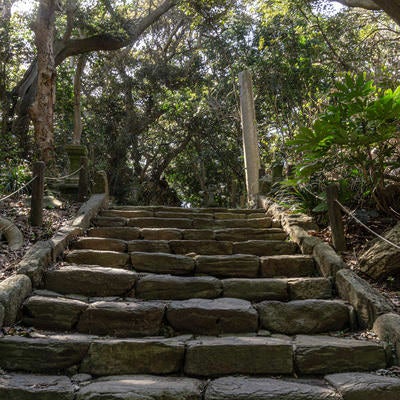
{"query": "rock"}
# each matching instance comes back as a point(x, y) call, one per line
point(90, 209)
point(53, 313)
point(13, 292)
point(161, 234)
point(42, 354)
point(310, 288)
point(303, 316)
point(210, 247)
point(382, 260)
point(109, 221)
point(228, 266)
point(198, 234)
point(162, 263)
point(229, 215)
point(80, 378)
point(240, 388)
point(122, 319)
point(387, 327)
point(287, 266)
point(107, 244)
point(27, 387)
point(244, 223)
point(183, 214)
point(134, 356)
point(91, 281)
point(328, 261)
point(98, 257)
point(359, 386)
point(147, 222)
point(122, 233)
point(241, 234)
point(152, 287)
point(127, 213)
point(14, 236)
point(264, 247)
point(366, 300)
point(238, 355)
point(212, 317)
point(149, 246)
point(326, 354)
point(256, 289)
point(142, 387)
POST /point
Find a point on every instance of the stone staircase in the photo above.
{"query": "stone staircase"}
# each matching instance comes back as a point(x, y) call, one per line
point(165, 303)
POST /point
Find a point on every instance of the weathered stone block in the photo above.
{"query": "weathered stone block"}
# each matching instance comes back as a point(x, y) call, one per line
point(91, 281)
point(161, 234)
point(179, 223)
point(212, 317)
point(149, 246)
point(134, 356)
point(387, 327)
point(256, 289)
point(98, 257)
point(326, 354)
point(238, 355)
point(310, 288)
point(287, 266)
point(198, 234)
point(328, 261)
point(168, 287)
point(109, 221)
point(162, 263)
point(93, 243)
point(230, 266)
point(128, 213)
point(264, 247)
point(123, 233)
point(241, 234)
point(303, 316)
point(122, 319)
point(211, 247)
point(366, 300)
point(13, 292)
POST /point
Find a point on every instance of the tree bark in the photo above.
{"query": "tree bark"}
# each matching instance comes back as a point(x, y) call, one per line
point(76, 139)
point(42, 109)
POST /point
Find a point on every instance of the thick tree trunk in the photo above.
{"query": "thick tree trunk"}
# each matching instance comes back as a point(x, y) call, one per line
point(76, 139)
point(42, 110)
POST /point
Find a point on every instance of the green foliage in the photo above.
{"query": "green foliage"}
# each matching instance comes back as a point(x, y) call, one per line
point(14, 176)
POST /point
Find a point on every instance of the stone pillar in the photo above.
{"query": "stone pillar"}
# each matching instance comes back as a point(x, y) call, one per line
point(250, 140)
point(75, 152)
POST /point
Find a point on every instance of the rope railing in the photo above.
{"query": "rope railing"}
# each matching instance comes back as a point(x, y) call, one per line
point(18, 190)
point(48, 178)
point(351, 214)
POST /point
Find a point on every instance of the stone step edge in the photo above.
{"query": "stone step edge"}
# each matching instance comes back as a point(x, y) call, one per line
point(79, 385)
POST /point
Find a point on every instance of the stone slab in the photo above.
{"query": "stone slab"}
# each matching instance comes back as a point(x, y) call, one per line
point(149, 246)
point(142, 387)
point(229, 266)
point(161, 234)
point(303, 316)
point(153, 287)
point(212, 317)
point(247, 223)
point(98, 257)
point(310, 288)
point(91, 281)
point(127, 213)
point(198, 234)
point(148, 222)
point(93, 243)
point(42, 354)
point(134, 356)
point(264, 247)
point(327, 354)
point(122, 233)
point(361, 386)
point(209, 247)
point(287, 266)
point(211, 357)
point(256, 289)
point(247, 388)
point(53, 313)
point(36, 387)
point(242, 234)
point(122, 319)
point(387, 327)
point(109, 221)
point(162, 263)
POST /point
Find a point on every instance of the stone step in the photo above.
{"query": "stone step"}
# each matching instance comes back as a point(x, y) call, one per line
point(112, 259)
point(215, 210)
point(135, 318)
point(206, 247)
point(95, 281)
point(163, 263)
point(289, 266)
point(200, 223)
point(203, 357)
point(346, 386)
point(232, 234)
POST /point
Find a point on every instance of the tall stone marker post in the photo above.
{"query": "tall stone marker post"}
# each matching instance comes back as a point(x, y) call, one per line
point(250, 139)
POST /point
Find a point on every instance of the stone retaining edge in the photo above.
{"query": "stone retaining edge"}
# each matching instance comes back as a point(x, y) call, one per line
point(374, 311)
point(30, 269)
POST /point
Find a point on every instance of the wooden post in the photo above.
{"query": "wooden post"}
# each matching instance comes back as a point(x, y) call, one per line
point(250, 140)
point(37, 194)
point(335, 218)
point(83, 180)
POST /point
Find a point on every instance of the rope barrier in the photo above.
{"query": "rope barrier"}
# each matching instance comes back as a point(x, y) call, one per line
point(64, 177)
point(313, 194)
point(351, 214)
point(18, 190)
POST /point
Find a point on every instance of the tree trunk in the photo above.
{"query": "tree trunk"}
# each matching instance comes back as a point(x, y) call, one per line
point(42, 109)
point(76, 139)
